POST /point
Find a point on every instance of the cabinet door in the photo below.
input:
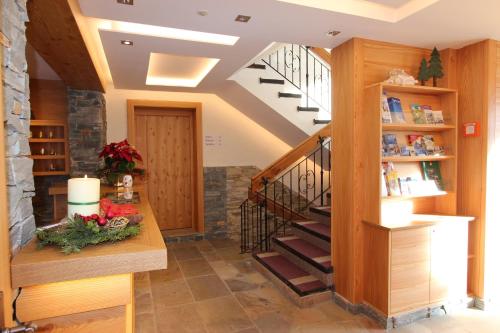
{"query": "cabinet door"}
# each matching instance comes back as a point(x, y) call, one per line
point(410, 269)
point(448, 261)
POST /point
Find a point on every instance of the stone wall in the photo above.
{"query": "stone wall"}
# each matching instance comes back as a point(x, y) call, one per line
point(87, 130)
point(225, 189)
point(17, 120)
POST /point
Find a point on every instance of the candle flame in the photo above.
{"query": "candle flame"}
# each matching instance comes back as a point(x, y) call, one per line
point(85, 176)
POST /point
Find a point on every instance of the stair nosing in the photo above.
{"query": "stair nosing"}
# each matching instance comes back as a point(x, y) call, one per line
point(307, 109)
point(288, 283)
point(288, 95)
point(257, 66)
point(272, 81)
point(312, 232)
point(319, 211)
point(303, 257)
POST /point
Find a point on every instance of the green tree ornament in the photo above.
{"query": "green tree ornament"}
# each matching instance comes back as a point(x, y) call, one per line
point(435, 67)
point(423, 72)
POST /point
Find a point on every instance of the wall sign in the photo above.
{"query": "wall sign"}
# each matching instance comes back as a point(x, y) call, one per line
point(213, 140)
point(471, 129)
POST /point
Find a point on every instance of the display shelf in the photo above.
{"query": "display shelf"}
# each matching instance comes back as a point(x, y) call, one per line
point(409, 197)
point(408, 159)
point(48, 157)
point(47, 140)
point(51, 136)
point(416, 89)
point(417, 127)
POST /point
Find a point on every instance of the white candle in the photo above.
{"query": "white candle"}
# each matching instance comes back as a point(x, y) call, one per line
point(83, 196)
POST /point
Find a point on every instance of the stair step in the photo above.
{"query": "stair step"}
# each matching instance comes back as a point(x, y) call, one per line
point(293, 276)
point(271, 81)
point(307, 109)
point(257, 66)
point(314, 228)
point(326, 210)
point(316, 257)
point(318, 121)
point(289, 95)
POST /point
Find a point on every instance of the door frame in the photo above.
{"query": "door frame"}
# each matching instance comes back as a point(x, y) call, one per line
point(132, 104)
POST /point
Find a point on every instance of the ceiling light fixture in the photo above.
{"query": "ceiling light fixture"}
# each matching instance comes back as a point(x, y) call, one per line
point(125, 2)
point(203, 12)
point(242, 18)
point(333, 33)
point(164, 32)
point(127, 42)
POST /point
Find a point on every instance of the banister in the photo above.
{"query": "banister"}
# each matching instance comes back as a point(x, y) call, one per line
point(322, 53)
point(288, 159)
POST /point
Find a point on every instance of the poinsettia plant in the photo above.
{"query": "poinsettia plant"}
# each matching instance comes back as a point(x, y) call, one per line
point(119, 159)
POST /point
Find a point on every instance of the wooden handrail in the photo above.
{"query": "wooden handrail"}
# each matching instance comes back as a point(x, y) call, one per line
point(289, 158)
point(322, 53)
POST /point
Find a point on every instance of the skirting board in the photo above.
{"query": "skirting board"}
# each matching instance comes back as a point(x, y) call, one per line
point(403, 319)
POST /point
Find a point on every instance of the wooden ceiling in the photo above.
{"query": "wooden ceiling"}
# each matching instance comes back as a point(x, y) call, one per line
point(54, 34)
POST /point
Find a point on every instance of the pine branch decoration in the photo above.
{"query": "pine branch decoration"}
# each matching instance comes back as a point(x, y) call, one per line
point(77, 234)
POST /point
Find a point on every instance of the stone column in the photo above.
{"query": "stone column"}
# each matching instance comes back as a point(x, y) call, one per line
point(87, 130)
point(17, 123)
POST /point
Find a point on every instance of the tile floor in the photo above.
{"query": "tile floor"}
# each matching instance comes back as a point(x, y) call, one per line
point(209, 287)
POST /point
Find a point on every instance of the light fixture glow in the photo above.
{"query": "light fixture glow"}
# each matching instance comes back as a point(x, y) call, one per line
point(127, 42)
point(161, 72)
point(164, 32)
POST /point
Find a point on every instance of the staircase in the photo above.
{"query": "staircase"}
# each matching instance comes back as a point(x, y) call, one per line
point(285, 223)
point(292, 81)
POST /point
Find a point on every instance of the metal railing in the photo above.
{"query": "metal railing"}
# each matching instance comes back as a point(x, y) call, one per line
point(299, 66)
point(285, 198)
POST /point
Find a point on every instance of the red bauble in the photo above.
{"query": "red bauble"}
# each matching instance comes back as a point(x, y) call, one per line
point(102, 221)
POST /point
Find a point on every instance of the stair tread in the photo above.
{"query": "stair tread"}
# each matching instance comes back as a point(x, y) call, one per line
point(307, 251)
point(315, 228)
point(305, 108)
point(289, 95)
point(272, 81)
point(257, 66)
point(295, 277)
point(326, 210)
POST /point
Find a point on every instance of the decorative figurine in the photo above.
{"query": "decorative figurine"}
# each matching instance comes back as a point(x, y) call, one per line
point(40, 135)
point(423, 72)
point(435, 67)
point(51, 135)
point(42, 151)
point(400, 77)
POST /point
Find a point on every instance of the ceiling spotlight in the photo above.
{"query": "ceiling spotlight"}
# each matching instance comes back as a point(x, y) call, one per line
point(242, 18)
point(125, 2)
point(127, 42)
point(332, 33)
point(203, 12)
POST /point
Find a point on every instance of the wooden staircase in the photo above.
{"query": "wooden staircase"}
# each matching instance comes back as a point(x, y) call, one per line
point(300, 263)
point(291, 242)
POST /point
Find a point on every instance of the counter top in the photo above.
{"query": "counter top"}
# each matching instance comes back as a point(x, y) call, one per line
point(145, 252)
point(420, 221)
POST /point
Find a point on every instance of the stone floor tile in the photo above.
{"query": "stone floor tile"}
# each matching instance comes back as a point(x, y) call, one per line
point(261, 300)
point(173, 272)
point(211, 255)
point(223, 315)
point(208, 286)
point(180, 319)
point(335, 312)
point(195, 267)
point(204, 246)
point(145, 323)
point(171, 293)
point(249, 330)
point(232, 254)
point(186, 253)
point(143, 301)
point(223, 243)
point(245, 266)
point(224, 269)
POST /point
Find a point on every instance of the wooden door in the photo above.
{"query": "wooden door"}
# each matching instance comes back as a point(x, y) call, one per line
point(165, 138)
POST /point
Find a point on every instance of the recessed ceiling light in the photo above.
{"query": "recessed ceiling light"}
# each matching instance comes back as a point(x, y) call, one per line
point(164, 32)
point(125, 2)
point(203, 12)
point(332, 33)
point(127, 42)
point(242, 18)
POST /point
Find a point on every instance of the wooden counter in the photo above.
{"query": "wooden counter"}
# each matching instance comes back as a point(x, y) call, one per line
point(55, 285)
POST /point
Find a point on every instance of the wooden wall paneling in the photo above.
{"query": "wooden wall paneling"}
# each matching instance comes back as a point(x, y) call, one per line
point(346, 185)
point(53, 31)
point(449, 61)
point(380, 57)
point(5, 280)
point(198, 195)
point(49, 100)
point(377, 264)
point(52, 300)
point(476, 81)
point(106, 320)
point(371, 164)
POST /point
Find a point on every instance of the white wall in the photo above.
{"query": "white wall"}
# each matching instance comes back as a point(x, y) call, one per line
point(244, 142)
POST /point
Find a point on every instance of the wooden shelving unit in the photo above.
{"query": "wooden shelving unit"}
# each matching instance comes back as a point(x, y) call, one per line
point(49, 147)
point(415, 247)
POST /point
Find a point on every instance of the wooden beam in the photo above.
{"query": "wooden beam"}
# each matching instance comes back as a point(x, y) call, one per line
point(322, 53)
point(54, 34)
point(286, 160)
point(5, 284)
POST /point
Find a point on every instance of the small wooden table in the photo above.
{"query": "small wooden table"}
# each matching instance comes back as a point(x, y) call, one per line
point(90, 291)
